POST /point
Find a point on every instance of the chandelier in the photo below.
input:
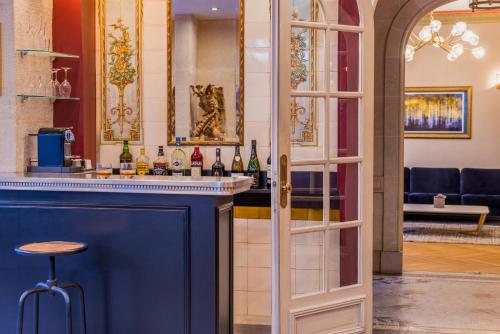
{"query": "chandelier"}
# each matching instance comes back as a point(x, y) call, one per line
point(458, 41)
point(484, 4)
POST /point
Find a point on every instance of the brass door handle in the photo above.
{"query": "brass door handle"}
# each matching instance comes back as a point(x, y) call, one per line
point(286, 188)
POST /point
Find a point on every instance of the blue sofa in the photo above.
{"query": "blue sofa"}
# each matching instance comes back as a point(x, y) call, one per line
point(425, 183)
point(481, 187)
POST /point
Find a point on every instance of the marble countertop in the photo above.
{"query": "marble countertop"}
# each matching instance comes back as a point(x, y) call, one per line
point(89, 182)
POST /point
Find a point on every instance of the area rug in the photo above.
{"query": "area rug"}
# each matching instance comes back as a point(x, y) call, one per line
point(437, 303)
point(450, 232)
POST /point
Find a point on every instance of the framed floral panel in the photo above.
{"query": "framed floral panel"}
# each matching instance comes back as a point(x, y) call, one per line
point(304, 49)
point(438, 112)
point(120, 26)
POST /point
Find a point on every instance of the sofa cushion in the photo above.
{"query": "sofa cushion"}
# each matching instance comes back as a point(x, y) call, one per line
point(407, 179)
point(426, 198)
point(435, 180)
point(485, 200)
point(480, 181)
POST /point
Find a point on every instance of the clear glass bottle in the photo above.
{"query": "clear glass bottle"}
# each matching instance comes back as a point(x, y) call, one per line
point(179, 161)
point(253, 169)
point(143, 163)
point(126, 156)
point(237, 168)
point(160, 165)
point(218, 167)
point(196, 163)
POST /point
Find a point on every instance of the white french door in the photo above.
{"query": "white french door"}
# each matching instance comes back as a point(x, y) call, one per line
point(322, 167)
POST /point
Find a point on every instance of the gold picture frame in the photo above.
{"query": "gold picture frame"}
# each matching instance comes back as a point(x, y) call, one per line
point(120, 34)
point(438, 112)
point(171, 114)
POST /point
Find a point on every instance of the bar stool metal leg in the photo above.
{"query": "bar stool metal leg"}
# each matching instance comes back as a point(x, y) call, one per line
point(36, 312)
point(82, 303)
point(67, 301)
point(22, 301)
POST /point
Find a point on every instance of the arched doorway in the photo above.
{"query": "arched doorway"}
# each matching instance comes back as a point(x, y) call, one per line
point(394, 20)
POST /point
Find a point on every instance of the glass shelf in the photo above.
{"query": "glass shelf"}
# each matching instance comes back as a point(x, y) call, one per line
point(26, 97)
point(26, 52)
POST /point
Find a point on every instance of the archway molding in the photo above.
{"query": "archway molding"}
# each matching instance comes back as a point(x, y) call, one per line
point(394, 21)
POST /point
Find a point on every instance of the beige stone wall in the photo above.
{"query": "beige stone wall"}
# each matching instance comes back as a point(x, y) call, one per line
point(431, 69)
point(7, 98)
point(21, 22)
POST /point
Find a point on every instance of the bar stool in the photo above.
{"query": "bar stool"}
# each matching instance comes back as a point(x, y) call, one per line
point(52, 286)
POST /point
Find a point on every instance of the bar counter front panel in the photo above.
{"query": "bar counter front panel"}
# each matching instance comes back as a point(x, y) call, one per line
point(156, 263)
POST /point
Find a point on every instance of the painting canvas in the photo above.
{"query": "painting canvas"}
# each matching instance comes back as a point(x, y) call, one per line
point(438, 112)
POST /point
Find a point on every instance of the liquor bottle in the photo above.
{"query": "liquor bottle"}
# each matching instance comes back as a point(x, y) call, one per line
point(253, 169)
point(179, 161)
point(143, 163)
point(126, 156)
point(269, 172)
point(160, 165)
point(237, 166)
point(196, 162)
point(218, 167)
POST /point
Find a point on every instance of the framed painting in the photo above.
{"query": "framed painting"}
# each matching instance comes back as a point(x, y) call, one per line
point(438, 112)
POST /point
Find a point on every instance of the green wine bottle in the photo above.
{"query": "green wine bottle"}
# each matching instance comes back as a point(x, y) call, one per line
point(253, 169)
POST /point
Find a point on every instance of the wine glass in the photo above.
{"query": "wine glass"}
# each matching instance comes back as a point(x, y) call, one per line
point(65, 88)
point(40, 90)
point(54, 85)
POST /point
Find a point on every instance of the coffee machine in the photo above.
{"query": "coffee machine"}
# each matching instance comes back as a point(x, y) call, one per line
point(54, 151)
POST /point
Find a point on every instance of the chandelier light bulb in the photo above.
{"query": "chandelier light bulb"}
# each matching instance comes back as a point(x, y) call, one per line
point(458, 49)
point(474, 40)
point(425, 34)
point(409, 53)
point(459, 28)
point(479, 52)
point(467, 36)
point(435, 25)
point(452, 56)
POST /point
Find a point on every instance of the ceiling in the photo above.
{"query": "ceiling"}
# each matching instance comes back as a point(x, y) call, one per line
point(202, 8)
point(455, 5)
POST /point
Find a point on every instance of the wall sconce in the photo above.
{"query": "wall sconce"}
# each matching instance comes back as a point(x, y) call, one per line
point(497, 82)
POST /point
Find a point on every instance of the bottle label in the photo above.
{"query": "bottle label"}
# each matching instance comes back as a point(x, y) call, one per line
point(218, 173)
point(160, 169)
point(177, 166)
point(237, 158)
point(142, 168)
point(255, 181)
point(195, 171)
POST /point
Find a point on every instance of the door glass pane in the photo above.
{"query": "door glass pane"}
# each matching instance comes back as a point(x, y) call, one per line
point(345, 61)
point(307, 59)
point(342, 12)
point(344, 128)
point(307, 263)
point(307, 196)
point(344, 193)
point(307, 10)
point(342, 258)
point(307, 128)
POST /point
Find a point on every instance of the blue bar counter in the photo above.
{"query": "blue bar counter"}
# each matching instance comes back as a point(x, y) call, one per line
point(159, 258)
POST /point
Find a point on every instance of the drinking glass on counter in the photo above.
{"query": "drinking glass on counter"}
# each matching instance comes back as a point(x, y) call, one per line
point(104, 170)
point(128, 169)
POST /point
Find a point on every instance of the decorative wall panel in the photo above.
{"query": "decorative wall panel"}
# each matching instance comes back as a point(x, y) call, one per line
point(120, 26)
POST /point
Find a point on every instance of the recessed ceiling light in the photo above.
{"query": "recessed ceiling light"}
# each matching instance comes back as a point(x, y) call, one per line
point(214, 9)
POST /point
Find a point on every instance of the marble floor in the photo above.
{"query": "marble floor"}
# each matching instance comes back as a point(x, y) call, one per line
point(437, 303)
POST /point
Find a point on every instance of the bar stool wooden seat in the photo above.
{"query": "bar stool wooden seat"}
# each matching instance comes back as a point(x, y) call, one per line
point(52, 249)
